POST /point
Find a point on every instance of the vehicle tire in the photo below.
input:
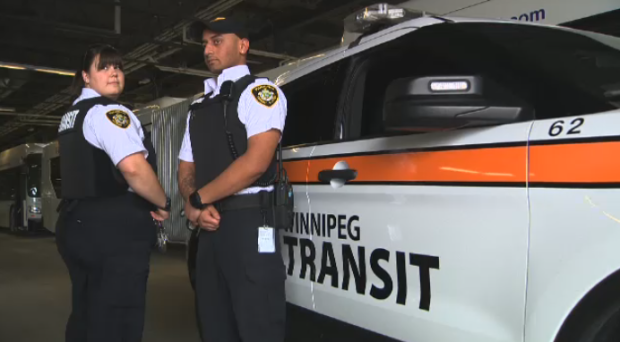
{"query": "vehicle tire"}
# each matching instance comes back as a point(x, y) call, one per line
point(33, 226)
point(603, 328)
point(596, 318)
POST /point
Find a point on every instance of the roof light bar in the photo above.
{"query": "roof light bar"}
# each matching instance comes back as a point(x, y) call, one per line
point(381, 14)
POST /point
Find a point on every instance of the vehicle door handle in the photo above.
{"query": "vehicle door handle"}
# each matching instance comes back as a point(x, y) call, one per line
point(346, 175)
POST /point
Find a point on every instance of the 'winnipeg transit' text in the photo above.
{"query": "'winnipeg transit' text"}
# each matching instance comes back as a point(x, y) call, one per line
point(354, 263)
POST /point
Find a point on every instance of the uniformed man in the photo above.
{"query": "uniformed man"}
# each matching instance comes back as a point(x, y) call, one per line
point(111, 195)
point(226, 177)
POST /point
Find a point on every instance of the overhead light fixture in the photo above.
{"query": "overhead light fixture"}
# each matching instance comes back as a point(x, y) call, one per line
point(47, 70)
point(58, 72)
point(7, 109)
point(7, 66)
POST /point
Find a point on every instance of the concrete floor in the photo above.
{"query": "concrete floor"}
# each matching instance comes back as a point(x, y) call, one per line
point(35, 295)
point(35, 299)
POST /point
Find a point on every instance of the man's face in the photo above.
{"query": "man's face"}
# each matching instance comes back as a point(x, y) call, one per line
point(223, 50)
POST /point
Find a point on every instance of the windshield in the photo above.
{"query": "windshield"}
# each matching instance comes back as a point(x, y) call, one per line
point(33, 162)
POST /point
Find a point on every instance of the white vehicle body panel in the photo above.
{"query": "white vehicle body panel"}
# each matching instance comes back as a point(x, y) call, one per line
point(11, 159)
point(548, 11)
point(298, 290)
point(575, 233)
point(478, 292)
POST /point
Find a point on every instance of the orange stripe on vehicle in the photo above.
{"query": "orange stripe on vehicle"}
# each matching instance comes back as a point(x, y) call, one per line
point(297, 170)
point(561, 163)
point(575, 163)
point(480, 165)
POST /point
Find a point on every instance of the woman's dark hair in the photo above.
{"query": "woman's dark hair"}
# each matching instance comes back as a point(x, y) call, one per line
point(109, 56)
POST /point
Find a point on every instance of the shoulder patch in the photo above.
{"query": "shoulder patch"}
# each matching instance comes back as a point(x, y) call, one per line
point(118, 118)
point(265, 94)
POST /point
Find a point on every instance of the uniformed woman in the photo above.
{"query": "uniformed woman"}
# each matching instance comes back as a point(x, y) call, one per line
point(111, 197)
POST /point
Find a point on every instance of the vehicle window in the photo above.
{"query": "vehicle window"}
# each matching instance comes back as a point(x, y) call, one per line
point(312, 104)
point(384, 68)
point(571, 74)
point(556, 72)
point(55, 176)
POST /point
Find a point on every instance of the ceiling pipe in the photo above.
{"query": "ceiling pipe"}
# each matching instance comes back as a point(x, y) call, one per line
point(61, 26)
point(29, 115)
point(117, 17)
point(128, 8)
point(45, 122)
point(40, 124)
point(186, 71)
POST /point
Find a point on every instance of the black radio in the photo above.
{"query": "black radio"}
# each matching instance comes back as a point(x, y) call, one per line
point(284, 199)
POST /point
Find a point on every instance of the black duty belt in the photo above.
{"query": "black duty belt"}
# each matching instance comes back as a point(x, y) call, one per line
point(263, 199)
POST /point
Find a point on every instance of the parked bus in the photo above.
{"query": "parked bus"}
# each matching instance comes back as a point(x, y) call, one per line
point(20, 188)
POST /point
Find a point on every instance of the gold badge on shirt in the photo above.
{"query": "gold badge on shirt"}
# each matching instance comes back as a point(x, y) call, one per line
point(265, 94)
point(118, 118)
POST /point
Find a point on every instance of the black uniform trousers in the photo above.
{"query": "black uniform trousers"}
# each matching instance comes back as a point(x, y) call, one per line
point(106, 245)
point(240, 293)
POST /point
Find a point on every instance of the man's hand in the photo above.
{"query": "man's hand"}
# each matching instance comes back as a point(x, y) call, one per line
point(192, 213)
point(160, 215)
point(209, 218)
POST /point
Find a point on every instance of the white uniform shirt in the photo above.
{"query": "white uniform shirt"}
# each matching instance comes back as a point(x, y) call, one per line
point(100, 130)
point(256, 117)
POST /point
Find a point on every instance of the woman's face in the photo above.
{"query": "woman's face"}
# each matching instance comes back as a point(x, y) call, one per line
point(109, 81)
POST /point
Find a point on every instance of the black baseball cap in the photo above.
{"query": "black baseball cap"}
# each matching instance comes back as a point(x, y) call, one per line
point(218, 25)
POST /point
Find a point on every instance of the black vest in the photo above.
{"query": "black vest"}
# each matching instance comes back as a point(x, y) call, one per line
point(87, 171)
point(211, 146)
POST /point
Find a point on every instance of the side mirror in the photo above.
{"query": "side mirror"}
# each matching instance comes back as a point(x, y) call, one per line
point(443, 102)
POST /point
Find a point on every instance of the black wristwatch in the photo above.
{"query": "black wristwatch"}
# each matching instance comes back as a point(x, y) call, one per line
point(196, 201)
point(168, 206)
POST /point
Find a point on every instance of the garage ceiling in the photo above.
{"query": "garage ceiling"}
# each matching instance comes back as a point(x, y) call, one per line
point(53, 34)
point(46, 34)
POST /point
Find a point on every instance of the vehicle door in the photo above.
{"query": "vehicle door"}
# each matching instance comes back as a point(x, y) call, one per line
point(423, 235)
point(312, 102)
point(574, 183)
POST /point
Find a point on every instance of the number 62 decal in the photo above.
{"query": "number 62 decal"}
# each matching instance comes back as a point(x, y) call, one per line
point(558, 127)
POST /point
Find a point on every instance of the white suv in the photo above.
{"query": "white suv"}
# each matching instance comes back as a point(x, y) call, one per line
point(455, 180)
